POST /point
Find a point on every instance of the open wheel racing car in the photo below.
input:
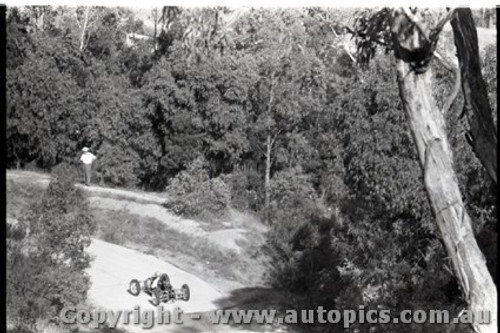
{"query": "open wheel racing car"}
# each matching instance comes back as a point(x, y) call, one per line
point(160, 290)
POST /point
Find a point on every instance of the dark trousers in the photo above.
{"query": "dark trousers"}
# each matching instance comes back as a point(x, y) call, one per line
point(86, 173)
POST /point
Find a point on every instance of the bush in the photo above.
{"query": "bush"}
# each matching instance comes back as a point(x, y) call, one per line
point(46, 257)
point(305, 260)
point(117, 166)
point(188, 180)
point(195, 195)
point(67, 172)
point(245, 185)
point(292, 196)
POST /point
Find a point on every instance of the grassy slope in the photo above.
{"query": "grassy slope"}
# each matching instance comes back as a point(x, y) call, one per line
point(223, 268)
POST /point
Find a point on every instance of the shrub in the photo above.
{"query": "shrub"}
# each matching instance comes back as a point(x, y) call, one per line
point(188, 180)
point(117, 166)
point(245, 185)
point(305, 261)
point(67, 172)
point(195, 195)
point(46, 257)
point(292, 196)
point(289, 185)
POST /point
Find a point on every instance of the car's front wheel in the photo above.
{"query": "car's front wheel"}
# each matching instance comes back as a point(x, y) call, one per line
point(134, 287)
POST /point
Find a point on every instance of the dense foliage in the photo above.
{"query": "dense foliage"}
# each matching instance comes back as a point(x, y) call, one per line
point(46, 255)
point(195, 110)
point(195, 194)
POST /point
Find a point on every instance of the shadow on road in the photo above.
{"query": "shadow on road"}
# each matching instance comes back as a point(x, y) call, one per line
point(254, 298)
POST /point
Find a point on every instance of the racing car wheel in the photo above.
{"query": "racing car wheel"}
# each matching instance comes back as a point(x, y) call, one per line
point(134, 287)
point(186, 294)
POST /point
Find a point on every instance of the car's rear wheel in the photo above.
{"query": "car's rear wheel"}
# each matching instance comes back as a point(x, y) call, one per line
point(186, 293)
point(134, 287)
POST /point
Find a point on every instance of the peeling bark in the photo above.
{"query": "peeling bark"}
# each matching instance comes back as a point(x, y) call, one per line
point(477, 107)
point(428, 129)
point(427, 125)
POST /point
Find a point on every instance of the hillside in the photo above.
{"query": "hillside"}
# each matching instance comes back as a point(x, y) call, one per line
point(276, 157)
point(115, 265)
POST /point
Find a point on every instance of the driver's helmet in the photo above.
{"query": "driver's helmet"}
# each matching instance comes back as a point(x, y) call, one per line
point(157, 274)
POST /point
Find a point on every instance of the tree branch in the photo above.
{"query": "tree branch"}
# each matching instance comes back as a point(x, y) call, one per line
point(259, 148)
point(478, 109)
point(276, 136)
point(336, 36)
point(442, 22)
point(416, 22)
point(449, 66)
point(454, 92)
point(77, 20)
point(85, 22)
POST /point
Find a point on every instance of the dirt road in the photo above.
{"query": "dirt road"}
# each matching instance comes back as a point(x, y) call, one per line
point(113, 268)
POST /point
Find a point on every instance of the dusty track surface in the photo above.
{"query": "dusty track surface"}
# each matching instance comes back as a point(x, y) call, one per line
point(44, 179)
point(113, 268)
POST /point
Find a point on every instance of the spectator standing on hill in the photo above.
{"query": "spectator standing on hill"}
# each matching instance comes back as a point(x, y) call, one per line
point(86, 160)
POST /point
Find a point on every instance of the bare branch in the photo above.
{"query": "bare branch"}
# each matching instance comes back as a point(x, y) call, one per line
point(442, 22)
point(454, 92)
point(449, 66)
point(76, 19)
point(416, 22)
point(85, 22)
point(378, 41)
point(276, 136)
point(259, 148)
point(336, 36)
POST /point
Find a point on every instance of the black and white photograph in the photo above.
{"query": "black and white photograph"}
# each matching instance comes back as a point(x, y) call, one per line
point(250, 168)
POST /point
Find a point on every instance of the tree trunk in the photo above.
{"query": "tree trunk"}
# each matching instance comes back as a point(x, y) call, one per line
point(428, 129)
point(155, 19)
point(40, 19)
point(269, 146)
point(427, 125)
point(267, 178)
point(482, 132)
point(84, 29)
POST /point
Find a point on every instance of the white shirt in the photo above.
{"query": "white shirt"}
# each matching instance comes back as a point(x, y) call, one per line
point(87, 158)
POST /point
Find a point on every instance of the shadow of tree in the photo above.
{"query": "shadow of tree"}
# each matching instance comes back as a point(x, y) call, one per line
point(261, 299)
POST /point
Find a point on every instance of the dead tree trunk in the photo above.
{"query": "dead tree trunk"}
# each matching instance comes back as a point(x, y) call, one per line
point(482, 133)
point(427, 125)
